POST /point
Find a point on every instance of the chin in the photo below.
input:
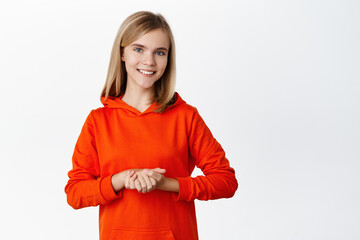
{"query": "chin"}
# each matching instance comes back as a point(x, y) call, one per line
point(146, 86)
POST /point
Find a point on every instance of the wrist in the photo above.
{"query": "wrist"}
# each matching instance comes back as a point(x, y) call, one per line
point(118, 181)
point(162, 184)
point(169, 184)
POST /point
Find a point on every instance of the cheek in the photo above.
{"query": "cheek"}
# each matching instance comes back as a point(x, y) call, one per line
point(131, 60)
point(163, 64)
point(130, 63)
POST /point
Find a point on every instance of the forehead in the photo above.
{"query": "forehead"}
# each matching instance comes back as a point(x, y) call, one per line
point(154, 39)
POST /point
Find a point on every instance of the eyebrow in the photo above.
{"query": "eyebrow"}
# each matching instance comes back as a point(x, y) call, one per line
point(139, 45)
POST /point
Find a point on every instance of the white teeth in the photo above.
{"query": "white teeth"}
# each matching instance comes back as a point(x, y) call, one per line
point(146, 72)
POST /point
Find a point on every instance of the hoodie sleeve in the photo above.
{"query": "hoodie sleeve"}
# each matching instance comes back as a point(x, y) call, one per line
point(85, 187)
point(219, 180)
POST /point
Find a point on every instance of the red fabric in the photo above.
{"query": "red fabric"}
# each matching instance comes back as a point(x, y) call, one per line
point(118, 137)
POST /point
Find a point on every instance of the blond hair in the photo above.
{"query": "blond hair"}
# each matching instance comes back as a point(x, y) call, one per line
point(133, 27)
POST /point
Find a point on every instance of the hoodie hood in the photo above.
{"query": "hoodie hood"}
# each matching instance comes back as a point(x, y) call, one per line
point(116, 102)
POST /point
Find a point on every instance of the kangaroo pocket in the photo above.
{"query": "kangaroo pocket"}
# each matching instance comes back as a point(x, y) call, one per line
point(142, 234)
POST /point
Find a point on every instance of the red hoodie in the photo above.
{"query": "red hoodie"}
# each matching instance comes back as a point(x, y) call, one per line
point(118, 137)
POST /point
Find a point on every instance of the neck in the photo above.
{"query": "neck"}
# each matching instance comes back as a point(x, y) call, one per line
point(138, 97)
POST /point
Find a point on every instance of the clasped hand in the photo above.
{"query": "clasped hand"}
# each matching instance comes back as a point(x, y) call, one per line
point(144, 180)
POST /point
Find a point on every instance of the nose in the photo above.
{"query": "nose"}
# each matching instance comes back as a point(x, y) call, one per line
point(148, 59)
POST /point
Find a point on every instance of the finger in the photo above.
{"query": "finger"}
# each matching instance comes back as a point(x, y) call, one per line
point(159, 170)
point(149, 172)
point(127, 180)
point(156, 176)
point(138, 185)
point(153, 182)
point(152, 179)
point(132, 181)
point(149, 184)
point(131, 174)
point(143, 183)
point(153, 173)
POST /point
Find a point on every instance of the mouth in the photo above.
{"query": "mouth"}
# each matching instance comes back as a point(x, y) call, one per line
point(146, 72)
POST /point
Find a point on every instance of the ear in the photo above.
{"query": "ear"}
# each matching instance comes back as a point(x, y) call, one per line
point(122, 58)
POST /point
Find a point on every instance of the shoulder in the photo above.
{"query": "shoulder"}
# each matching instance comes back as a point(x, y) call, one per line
point(183, 111)
point(99, 110)
point(191, 113)
point(183, 106)
point(98, 113)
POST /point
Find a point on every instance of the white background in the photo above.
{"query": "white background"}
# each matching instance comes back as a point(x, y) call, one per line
point(277, 82)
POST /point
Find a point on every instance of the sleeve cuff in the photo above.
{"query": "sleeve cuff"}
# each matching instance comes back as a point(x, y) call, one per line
point(183, 194)
point(107, 190)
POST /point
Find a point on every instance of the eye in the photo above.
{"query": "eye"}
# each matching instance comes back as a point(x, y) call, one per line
point(137, 49)
point(160, 53)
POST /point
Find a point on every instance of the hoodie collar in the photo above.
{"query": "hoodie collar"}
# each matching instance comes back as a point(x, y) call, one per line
point(116, 102)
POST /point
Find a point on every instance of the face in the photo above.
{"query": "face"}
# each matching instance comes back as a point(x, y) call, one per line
point(146, 59)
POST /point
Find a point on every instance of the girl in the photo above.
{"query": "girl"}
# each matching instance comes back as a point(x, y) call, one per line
point(134, 156)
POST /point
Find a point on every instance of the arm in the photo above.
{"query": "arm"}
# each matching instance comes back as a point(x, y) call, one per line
point(219, 180)
point(169, 184)
point(143, 180)
point(157, 178)
point(85, 187)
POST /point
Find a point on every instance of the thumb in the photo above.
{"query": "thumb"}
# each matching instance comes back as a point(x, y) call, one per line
point(159, 170)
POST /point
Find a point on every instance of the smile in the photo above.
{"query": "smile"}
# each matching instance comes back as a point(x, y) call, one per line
point(146, 72)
